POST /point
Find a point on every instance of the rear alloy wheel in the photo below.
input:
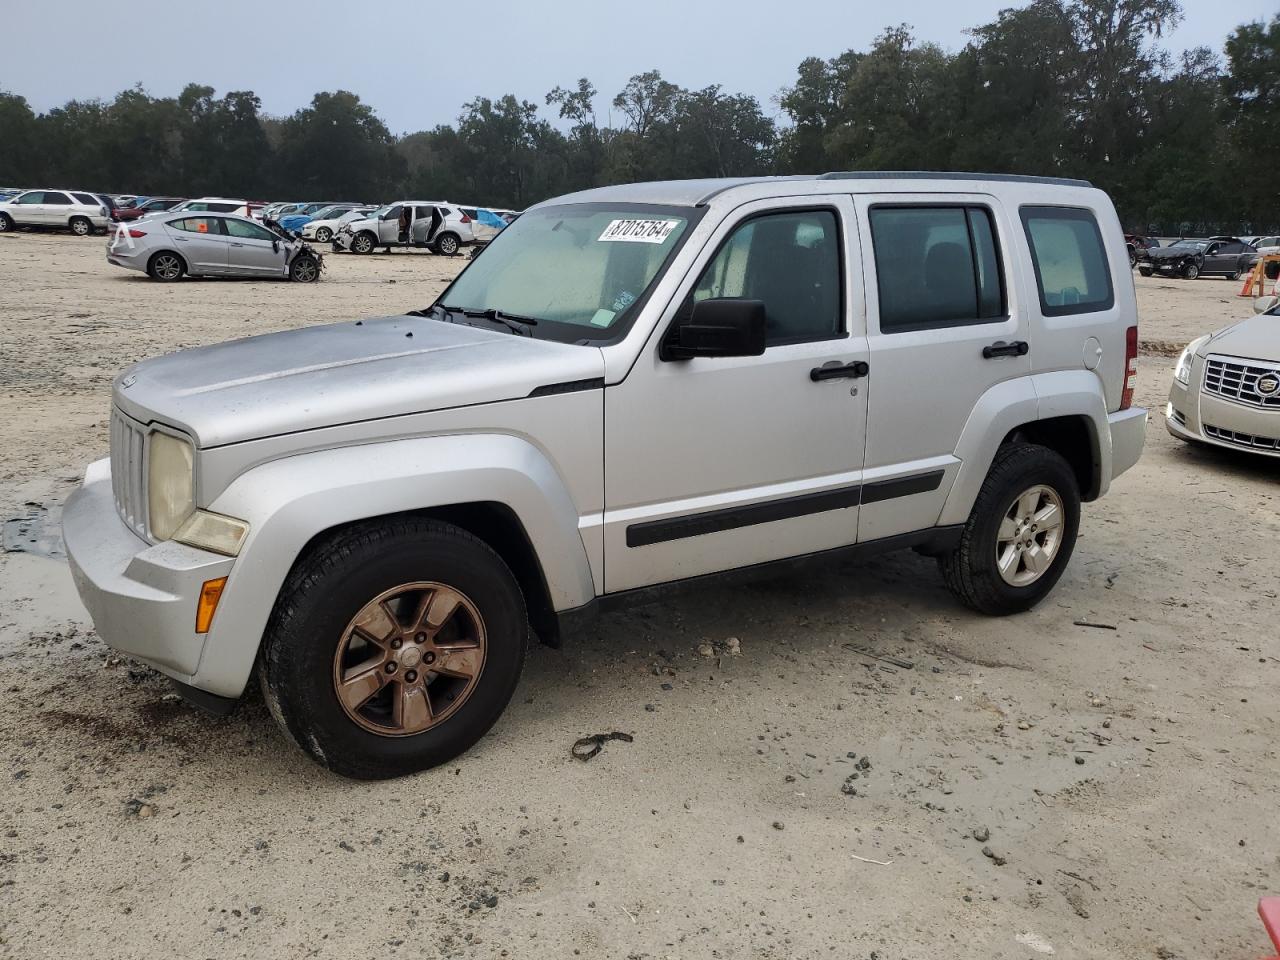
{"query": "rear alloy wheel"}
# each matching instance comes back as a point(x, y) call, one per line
point(324, 235)
point(6, 223)
point(81, 226)
point(304, 269)
point(1191, 271)
point(363, 243)
point(447, 245)
point(1020, 533)
point(393, 647)
point(166, 267)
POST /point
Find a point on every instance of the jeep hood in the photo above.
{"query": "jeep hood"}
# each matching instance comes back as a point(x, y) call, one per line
point(1257, 338)
point(323, 376)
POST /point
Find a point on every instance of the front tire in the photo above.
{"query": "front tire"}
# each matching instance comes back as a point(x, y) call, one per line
point(166, 266)
point(1191, 271)
point(364, 243)
point(447, 245)
point(80, 226)
point(324, 235)
point(1020, 534)
point(394, 647)
point(304, 269)
point(1145, 271)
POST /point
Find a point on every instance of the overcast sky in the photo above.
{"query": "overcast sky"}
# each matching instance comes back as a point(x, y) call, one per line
point(417, 61)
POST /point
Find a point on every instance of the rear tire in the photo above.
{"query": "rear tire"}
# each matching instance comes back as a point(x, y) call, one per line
point(6, 223)
point(324, 235)
point(324, 634)
point(1145, 271)
point(446, 245)
point(998, 528)
point(80, 226)
point(363, 243)
point(166, 266)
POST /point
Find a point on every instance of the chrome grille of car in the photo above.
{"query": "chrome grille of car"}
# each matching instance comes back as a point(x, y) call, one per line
point(1238, 381)
point(128, 463)
point(1241, 439)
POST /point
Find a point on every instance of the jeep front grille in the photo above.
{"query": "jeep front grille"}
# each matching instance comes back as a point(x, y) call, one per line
point(1241, 439)
point(1238, 381)
point(128, 471)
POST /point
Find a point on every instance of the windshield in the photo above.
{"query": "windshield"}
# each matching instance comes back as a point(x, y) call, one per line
point(1190, 245)
point(580, 270)
point(326, 212)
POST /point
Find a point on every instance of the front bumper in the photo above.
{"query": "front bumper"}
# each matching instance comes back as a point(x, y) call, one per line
point(142, 596)
point(341, 241)
point(1204, 418)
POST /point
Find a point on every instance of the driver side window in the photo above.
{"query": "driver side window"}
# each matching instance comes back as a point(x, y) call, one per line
point(789, 261)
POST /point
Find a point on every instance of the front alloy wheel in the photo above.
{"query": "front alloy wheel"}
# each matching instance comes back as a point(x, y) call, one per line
point(410, 658)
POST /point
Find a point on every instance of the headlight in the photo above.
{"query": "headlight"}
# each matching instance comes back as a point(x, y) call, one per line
point(170, 498)
point(213, 531)
point(1182, 372)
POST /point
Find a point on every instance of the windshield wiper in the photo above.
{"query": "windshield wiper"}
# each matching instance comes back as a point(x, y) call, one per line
point(512, 321)
point(435, 312)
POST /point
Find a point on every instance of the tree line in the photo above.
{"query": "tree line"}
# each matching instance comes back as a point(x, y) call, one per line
point(1081, 88)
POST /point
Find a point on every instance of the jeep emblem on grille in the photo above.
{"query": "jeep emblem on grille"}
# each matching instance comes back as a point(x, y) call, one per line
point(128, 381)
point(1268, 385)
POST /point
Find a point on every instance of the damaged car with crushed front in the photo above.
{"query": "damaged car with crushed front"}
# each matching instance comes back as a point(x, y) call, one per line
point(634, 387)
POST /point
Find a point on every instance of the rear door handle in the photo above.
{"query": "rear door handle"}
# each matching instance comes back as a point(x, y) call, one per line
point(835, 370)
point(1015, 348)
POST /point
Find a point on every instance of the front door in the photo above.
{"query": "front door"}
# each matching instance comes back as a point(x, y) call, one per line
point(253, 250)
point(946, 325)
point(28, 208)
point(718, 463)
point(389, 226)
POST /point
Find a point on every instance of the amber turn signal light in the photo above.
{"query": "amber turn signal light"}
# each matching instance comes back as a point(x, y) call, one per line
point(210, 594)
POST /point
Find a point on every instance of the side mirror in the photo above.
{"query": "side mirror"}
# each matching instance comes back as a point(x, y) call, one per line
point(1263, 304)
point(717, 328)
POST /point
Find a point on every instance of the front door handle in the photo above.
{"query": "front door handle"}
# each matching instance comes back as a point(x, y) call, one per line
point(835, 370)
point(1015, 348)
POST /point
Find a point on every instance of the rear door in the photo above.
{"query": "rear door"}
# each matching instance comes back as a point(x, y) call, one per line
point(945, 325)
point(253, 250)
point(202, 243)
point(56, 210)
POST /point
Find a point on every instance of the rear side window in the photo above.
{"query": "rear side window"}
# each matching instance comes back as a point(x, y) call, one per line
point(61, 199)
point(199, 225)
point(1069, 259)
point(936, 267)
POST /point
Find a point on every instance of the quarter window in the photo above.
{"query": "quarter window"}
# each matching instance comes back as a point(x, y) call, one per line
point(936, 267)
point(87, 200)
point(1069, 259)
point(790, 262)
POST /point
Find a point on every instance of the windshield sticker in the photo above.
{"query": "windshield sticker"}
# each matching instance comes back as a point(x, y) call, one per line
point(602, 318)
point(638, 231)
point(625, 299)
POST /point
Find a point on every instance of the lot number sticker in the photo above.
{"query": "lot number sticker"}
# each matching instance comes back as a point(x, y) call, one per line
point(638, 231)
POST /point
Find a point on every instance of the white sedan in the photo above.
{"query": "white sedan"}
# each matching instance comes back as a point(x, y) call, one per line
point(1226, 386)
point(322, 231)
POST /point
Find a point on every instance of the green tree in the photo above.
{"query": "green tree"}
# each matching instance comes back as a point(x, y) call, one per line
point(338, 149)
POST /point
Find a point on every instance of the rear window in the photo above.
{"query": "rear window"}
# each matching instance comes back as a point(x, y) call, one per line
point(1069, 259)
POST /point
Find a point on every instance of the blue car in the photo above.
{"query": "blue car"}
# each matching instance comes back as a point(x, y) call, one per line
point(295, 221)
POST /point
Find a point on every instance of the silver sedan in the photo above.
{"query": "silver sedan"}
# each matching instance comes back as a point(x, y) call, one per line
point(167, 247)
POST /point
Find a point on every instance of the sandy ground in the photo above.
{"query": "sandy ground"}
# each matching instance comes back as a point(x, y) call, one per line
point(1126, 777)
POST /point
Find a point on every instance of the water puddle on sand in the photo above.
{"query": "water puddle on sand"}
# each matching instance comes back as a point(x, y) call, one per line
point(37, 530)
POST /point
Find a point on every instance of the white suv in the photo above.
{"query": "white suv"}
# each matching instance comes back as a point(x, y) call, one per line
point(638, 386)
point(436, 225)
point(81, 213)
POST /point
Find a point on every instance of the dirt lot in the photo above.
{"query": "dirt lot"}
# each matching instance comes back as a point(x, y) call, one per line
point(1126, 777)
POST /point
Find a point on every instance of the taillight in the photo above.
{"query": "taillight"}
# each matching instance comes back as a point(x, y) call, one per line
point(1130, 367)
point(137, 234)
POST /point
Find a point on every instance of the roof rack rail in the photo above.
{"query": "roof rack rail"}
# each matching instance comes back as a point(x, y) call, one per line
point(949, 175)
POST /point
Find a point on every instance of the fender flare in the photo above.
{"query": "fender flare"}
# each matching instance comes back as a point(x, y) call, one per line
point(289, 502)
point(1013, 404)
